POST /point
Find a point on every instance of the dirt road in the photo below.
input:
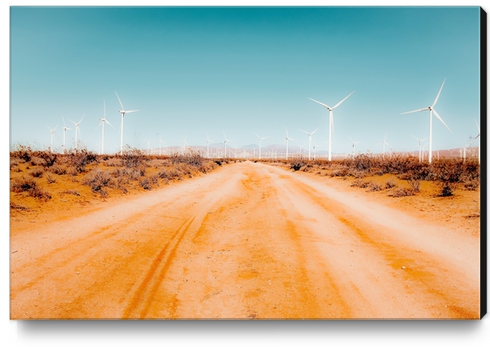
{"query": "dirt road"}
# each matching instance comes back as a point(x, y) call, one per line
point(247, 241)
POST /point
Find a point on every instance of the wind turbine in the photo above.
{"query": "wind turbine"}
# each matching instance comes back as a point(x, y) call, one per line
point(384, 143)
point(330, 129)
point(287, 142)
point(52, 137)
point(477, 136)
point(185, 142)
point(225, 141)
point(77, 131)
point(148, 142)
point(353, 146)
point(431, 109)
point(160, 144)
point(207, 143)
point(122, 112)
point(102, 121)
point(309, 142)
point(420, 146)
point(260, 145)
point(64, 134)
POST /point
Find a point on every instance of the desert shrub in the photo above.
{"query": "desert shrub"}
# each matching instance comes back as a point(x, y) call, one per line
point(39, 193)
point(97, 180)
point(58, 169)
point(79, 159)
point(49, 158)
point(356, 183)
point(169, 173)
point(113, 162)
point(71, 191)
point(72, 171)
point(414, 185)
point(472, 184)
point(36, 161)
point(400, 192)
point(22, 184)
point(37, 172)
point(374, 187)
point(447, 189)
point(132, 157)
point(119, 183)
point(156, 163)
point(145, 183)
point(363, 184)
point(297, 163)
point(339, 173)
point(22, 152)
point(16, 169)
point(15, 162)
point(50, 178)
point(15, 206)
point(390, 184)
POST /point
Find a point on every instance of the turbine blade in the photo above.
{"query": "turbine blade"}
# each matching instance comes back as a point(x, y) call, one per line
point(437, 97)
point(477, 126)
point(422, 109)
point(350, 138)
point(110, 124)
point(304, 131)
point(343, 100)
point(287, 135)
point(64, 124)
point(131, 111)
point(98, 125)
point(315, 131)
point(437, 115)
point(416, 138)
point(320, 103)
point(81, 119)
point(119, 101)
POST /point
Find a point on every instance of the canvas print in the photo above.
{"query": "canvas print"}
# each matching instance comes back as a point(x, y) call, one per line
point(245, 163)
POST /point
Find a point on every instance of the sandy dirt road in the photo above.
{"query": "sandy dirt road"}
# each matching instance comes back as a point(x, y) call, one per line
point(248, 241)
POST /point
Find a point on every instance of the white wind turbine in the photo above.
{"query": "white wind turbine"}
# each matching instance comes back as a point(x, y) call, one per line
point(309, 141)
point(52, 137)
point(122, 112)
point(431, 109)
point(160, 144)
point(354, 146)
point(330, 129)
point(225, 141)
point(384, 143)
point(287, 142)
point(207, 144)
point(64, 134)
point(77, 131)
point(102, 121)
point(477, 136)
point(420, 146)
point(260, 145)
point(185, 143)
point(148, 142)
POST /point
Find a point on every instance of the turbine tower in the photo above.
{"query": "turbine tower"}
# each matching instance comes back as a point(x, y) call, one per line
point(384, 143)
point(148, 142)
point(225, 141)
point(64, 134)
point(353, 146)
point(431, 109)
point(185, 142)
point(102, 121)
point(330, 129)
point(77, 131)
point(309, 141)
point(479, 141)
point(287, 142)
point(122, 112)
point(420, 146)
point(207, 143)
point(260, 145)
point(160, 144)
point(52, 137)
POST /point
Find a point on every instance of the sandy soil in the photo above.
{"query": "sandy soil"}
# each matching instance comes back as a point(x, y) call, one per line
point(249, 241)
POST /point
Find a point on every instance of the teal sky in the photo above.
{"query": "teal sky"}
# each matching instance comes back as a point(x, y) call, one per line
point(244, 70)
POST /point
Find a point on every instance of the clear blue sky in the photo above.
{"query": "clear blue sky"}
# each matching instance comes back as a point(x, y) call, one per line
point(245, 70)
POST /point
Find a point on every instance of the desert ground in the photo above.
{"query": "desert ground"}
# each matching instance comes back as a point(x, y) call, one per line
point(248, 241)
